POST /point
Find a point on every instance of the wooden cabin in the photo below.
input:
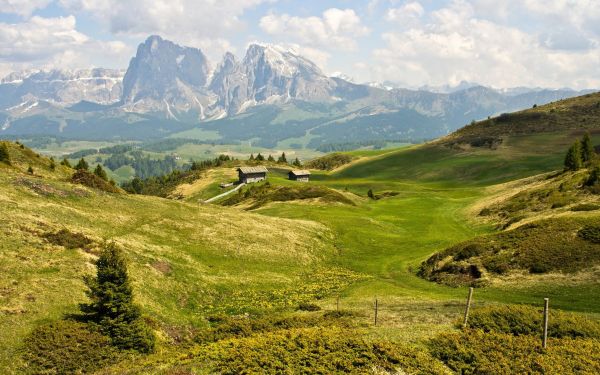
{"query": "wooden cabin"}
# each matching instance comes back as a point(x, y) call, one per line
point(299, 175)
point(251, 174)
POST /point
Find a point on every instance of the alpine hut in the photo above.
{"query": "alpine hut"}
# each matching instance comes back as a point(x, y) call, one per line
point(299, 175)
point(251, 174)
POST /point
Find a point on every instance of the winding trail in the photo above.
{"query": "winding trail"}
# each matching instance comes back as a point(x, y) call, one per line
point(224, 194)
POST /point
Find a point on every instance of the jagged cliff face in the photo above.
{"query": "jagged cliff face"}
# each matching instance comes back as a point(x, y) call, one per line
point(165, 81)
point(268, 74)
point(166, 77)
point(63, 87)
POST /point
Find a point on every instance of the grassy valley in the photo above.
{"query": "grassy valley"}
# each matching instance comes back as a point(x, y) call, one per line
point(283, 276)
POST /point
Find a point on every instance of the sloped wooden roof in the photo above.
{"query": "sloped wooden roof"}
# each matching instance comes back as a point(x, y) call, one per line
point(300, 172)
point(248, 170)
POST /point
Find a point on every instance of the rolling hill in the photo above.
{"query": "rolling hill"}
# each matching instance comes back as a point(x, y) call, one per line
point(294, 282)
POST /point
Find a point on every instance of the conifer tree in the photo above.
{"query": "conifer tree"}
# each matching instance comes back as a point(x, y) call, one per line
point(297, 163)
point(271, 158)
point(573, 160)
point(66, 163)
point(52, 164)
point(251, 158)
point(82, 164)
point(100, 172)
point(587, 149)
point(4, 155)
point(259, 157)
point(112, 307)
point(282, 158)
point(370, 194)
point(30, 170)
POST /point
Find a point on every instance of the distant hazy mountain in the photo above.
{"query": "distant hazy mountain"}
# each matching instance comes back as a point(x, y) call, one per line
point(272, 94)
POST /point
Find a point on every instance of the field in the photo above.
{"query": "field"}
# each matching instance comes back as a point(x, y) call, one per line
point(284, 270)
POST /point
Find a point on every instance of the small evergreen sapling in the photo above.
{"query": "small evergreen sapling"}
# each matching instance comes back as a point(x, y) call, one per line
point(4, 155)
point(587, 149)
point(66, 163)
point(82, 165)
point(100, 172)
point(112, 307)
point(573, 159)
point(282, 159)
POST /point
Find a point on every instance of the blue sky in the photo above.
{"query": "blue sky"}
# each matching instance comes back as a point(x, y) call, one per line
point(545, 43)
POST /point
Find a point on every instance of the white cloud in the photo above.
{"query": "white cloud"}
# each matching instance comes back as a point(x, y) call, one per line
point(456, 44)
point(407, 14)
point(205, 24)
point(22, 7)
point(335, 29)
point(53, 42)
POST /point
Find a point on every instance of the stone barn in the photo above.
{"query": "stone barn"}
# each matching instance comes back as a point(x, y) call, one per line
point(251, 174)
point(299, 175)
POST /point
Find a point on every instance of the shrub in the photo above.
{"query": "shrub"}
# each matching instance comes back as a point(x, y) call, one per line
point(86, 178)
point(66, 347)
point(30, 169)
point(527, 320)
point(329, 162)
point(590, 233)
point(4, 155)
point(585, 207)
point(315, 351)
point(305, 306)
point(474, 351)
point(68, 239)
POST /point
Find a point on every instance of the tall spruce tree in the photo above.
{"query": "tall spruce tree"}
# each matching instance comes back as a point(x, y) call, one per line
point(271, 158)
point(112, 307)
point(282, 158)
point(100, 172)
point(4, 155)
point(259, 157)
point(251, 158)
point(573, 159)
point(82, 164)
point(66, 163)
point(587, 149)
point(297, 163)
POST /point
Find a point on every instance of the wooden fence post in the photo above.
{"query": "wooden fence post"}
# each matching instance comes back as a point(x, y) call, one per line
point(468, 307)
point(376, 308)
point(545, 334)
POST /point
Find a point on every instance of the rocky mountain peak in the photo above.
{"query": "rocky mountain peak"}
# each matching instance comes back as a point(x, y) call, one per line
point(160, 66)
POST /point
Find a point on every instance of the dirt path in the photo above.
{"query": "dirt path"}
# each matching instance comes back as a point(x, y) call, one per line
point(224, 194)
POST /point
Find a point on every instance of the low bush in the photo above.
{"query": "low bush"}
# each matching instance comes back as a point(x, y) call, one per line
point(474, 351)
point(260, 195)
point(527, 320)
point(316, 351)
point(590, 233)
point(305, 306)
point(68, 239)
point(83, 177)
point(226, 327)
point(66, 347)
point(585, 207)
point(329, 162)
point(540, 247)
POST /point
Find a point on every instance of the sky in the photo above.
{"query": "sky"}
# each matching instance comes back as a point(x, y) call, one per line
point(510, 43)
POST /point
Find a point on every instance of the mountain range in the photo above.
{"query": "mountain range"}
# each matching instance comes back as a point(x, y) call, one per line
point(272, 97)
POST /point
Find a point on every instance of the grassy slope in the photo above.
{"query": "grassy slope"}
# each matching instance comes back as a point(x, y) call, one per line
point(438, 183)
point(186, 260)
